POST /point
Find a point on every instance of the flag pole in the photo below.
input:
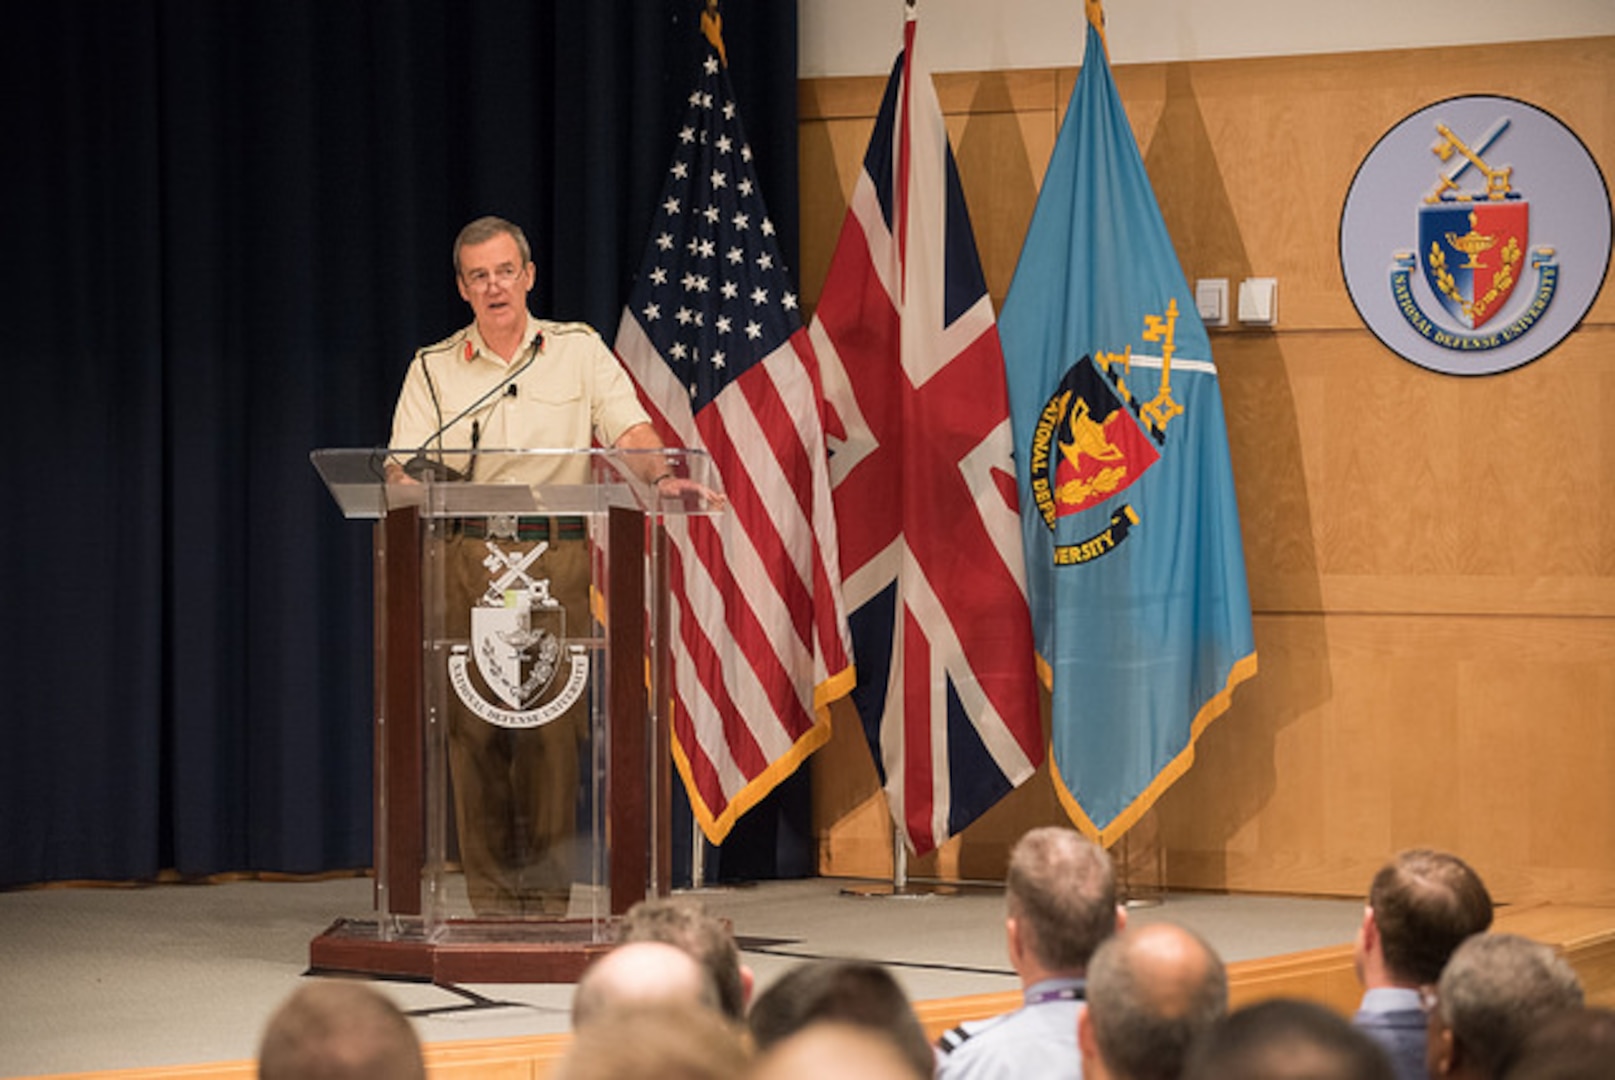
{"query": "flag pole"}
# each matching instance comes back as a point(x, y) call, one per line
point(712, 29)
point(899, 888)
point(698, 854)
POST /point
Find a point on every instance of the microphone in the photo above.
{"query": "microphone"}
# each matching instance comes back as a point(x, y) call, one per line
point(420, 464)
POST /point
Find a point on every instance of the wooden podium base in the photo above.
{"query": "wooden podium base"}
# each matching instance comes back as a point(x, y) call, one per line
point(463, 951)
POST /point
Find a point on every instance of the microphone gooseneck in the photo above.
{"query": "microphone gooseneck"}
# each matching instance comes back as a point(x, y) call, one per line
point(421, 461)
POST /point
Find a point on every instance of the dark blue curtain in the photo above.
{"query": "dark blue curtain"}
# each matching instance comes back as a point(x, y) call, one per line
point(227, 227)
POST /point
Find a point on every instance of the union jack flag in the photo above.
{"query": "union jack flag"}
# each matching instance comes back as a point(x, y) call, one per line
point(713, 336)
point(923, 482)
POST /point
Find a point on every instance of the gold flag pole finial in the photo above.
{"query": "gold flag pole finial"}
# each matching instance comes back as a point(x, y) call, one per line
point(1096, 15)
point(712, 27)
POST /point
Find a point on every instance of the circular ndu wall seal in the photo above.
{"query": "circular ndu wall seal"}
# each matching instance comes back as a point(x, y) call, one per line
point(1475, 235)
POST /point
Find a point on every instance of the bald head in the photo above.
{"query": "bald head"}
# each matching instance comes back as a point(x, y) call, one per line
point(667, 1041)
point(686, 924)
point(1152, 991)
point(641, 972)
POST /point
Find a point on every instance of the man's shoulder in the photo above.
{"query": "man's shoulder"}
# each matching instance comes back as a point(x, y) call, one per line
point(1401, 1034)
point(1025, 1042)
point(449, 346)
point(1393, 1008)
point(569, 332)
point(1394, 1020)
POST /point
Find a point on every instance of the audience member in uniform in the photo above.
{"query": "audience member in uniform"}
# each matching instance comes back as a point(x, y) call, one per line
point(687, 924)
point(1578, 1044)
point(1153, 991)
point(332, 1030)
point(1286, 1039)
point(1494, 991)
point(638, 973)
point(1061, 903)
point(835, 1048)
point(850, 991)
point(1422, 905)
point(669, 1040)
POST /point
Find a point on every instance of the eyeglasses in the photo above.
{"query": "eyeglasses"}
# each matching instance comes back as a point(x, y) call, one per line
point(480, 279)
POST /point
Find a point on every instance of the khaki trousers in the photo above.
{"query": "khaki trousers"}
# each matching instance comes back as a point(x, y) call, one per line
point(516, 790)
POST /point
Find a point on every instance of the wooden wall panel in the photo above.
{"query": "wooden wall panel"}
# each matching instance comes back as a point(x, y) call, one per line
point(1369, 484)
point(1486, 735)
point(1432, 559)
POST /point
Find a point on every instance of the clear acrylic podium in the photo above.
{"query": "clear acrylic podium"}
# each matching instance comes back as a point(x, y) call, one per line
point(521, 666)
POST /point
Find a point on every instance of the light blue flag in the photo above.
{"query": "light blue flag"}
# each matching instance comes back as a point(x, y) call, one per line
point(1134, 564)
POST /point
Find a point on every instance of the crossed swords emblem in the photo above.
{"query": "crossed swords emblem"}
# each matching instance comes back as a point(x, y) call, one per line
point(514, 567)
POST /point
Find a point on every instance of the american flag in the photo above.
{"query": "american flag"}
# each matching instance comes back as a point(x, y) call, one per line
point(713, 335)
point(923, 481)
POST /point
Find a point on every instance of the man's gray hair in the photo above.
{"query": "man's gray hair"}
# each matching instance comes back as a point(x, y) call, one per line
point(1496, 989)
point(1061, 889)
point(484, 229)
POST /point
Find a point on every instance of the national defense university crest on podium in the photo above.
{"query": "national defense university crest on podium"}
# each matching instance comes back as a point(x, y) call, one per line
point(519, 670)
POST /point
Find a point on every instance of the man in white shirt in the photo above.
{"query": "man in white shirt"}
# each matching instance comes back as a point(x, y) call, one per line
point(1061, 898)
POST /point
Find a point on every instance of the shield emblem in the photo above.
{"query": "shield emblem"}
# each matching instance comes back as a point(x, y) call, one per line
point(1098, 448)
point(518, 650)
point(1474, 254)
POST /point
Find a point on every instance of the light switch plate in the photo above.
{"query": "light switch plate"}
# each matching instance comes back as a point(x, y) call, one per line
point(1259, 301)
point(1211, 300)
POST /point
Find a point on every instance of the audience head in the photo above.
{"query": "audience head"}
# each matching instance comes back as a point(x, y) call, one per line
point(339, 1031)
point(1286, 1039)
point(1578, 1044)
point(1061, 898)
point(1494, 991)
point(669, 1040)
point(687, 925)
point(1422, 905)
point(1153, 991)
point(840, 1049)
point(851, 991)
point(638, 973)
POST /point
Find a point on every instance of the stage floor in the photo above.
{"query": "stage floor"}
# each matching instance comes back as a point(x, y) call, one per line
point(96, 979)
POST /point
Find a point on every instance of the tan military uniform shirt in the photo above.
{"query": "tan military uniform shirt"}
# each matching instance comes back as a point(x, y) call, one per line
point(573, 389)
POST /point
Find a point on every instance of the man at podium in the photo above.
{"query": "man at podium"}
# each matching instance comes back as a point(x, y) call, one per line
point(510, 381)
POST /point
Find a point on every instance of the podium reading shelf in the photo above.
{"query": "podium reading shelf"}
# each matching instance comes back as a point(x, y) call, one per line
point(521, 680)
